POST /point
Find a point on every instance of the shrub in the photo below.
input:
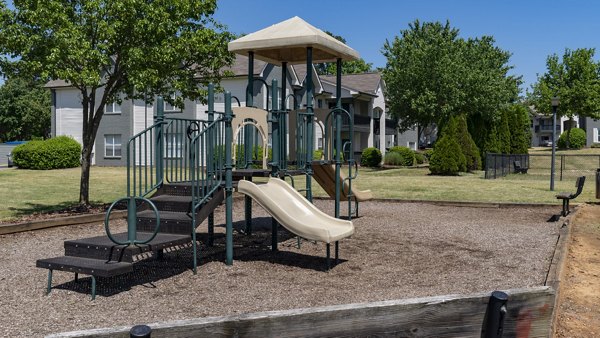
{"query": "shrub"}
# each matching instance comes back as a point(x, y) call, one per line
point(428, 154)
point(419, 158)
point(468, 146)
point(408, 156)
point(392, 158)
point(520, 130)
point(55, 153)
point(318, 154)
point(576, 139)
point(370, 157)
point(447, 157)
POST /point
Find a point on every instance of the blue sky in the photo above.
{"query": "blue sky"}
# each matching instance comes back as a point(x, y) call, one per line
point(530, 29)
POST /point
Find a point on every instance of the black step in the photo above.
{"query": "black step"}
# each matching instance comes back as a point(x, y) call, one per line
point(183, 189)
point(172, 203)
point(170, 222)
point(178, 222)
point(101, 247)
point(177, 189)
point(88, 266)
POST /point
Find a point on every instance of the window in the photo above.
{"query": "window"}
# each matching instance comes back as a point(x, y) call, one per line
point(412, 145)
point(112, 146)
point(173, 145)
point(112, 108)
point(170, 108)
point(596, 139)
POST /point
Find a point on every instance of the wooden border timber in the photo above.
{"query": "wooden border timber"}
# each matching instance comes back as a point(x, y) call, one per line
point(529, 315)
point(60, 221)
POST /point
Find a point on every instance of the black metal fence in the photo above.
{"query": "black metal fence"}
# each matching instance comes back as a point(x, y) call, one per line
point(566, 166)
point(500, 165)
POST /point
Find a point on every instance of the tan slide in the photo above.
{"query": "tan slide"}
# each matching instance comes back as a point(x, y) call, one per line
point(296, 213)
point(324, 174)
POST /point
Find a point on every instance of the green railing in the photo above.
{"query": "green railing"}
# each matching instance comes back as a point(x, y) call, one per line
point(143, 169)
point(333, 134)
point(178, 134)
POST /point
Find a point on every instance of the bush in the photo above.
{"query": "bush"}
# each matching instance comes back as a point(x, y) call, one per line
point(392, 158)
point(370, 157)
point(428, 154)
point(408, 156)
point(419, 158)
point(318, 154)
point(447, 157)
point(576, 139)
point(55, 153)
point(468, 146)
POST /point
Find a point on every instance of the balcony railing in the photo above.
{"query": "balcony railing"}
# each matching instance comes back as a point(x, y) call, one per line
point(545, 127)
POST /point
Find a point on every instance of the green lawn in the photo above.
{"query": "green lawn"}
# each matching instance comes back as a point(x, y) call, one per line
point(27, 191)
point(417, 184)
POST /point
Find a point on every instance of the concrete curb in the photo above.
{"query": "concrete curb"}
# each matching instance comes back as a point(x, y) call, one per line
point(61, 221)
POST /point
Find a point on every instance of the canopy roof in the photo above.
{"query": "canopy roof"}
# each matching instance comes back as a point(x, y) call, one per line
point(287, 42)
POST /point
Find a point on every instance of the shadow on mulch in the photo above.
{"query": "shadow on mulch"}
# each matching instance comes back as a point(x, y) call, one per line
point(175, 261)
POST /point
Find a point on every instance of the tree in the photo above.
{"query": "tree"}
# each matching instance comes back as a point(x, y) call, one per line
point(575, 80)
point(467, 145)
point(24, 110)
point(520, 130)
point(348, 67)
point(432, 74)
point(114, 50)
point(447, 157)
point(504, 133)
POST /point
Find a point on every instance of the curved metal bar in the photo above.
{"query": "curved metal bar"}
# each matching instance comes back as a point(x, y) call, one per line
point(128, 242)
point(238, 100)
point(294, 96)
point(266, 86)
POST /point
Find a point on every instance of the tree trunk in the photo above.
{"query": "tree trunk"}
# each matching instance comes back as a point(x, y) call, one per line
point(91, 122)
point(84, 183)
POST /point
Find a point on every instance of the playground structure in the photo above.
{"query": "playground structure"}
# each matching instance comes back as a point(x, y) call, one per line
point(180, 170)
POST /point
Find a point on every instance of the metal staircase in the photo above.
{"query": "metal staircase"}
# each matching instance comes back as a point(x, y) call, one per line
point(178, 172)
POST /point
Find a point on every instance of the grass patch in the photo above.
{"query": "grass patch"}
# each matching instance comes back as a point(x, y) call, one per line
point(31, 191)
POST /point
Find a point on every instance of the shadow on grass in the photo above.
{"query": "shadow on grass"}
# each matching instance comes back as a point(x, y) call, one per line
point(67, 208)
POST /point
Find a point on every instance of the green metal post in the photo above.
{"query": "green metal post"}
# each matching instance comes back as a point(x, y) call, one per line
point(93, 287)
point(131, 220)
point(210, 159)
point(282, 120)
point(275, 141)
point(228, 182)
point(248, 139)
point(249, 103)
point(274, 130)
point(49, 288)
point(309, 122)
point(338, 137)
point(160, 117)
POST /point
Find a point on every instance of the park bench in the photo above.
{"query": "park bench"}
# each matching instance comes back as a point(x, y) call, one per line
point(566, 196)
point(518, 168)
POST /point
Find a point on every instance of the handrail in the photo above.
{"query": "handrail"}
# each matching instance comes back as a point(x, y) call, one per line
point(142, 171)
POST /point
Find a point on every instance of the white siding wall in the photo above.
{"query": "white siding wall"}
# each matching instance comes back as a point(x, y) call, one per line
point(143, 117)
point(236, 86)
point(69, 115)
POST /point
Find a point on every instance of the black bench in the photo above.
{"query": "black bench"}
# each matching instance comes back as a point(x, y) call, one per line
point(518, 168)
point(566, 196)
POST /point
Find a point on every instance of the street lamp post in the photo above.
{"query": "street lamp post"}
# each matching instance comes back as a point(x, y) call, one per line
point(555, 103)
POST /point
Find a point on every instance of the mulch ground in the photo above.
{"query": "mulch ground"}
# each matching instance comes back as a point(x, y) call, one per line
point(399, 250)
